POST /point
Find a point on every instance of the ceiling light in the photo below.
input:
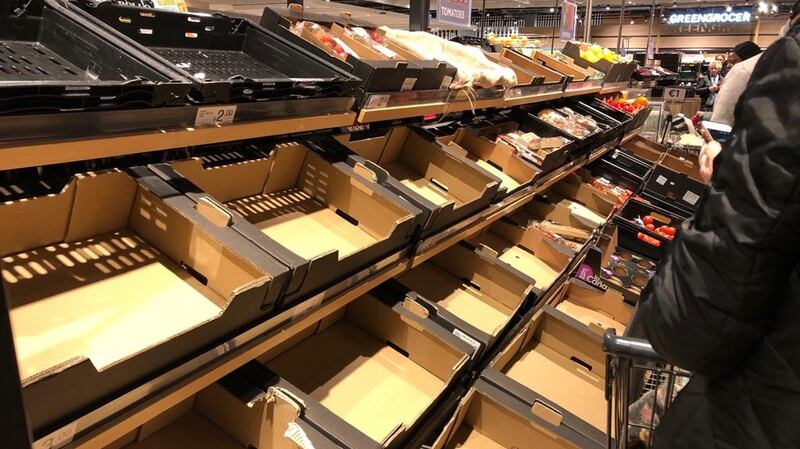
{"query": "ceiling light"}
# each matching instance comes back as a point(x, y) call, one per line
point(552, 10)
point(632, 22)
point(608, 8)
point(762, 7)
point(729, 8)
point(774, 9)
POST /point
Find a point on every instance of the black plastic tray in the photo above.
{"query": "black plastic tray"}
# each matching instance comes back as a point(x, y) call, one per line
point(622, 169)
point(628, 229)
point(228, 59)
point(53, 59)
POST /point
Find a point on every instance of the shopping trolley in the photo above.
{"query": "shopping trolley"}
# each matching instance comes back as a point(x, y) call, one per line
point(639, 388)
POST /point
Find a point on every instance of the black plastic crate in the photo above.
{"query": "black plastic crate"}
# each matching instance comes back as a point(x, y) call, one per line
point(228, 59)
point(629, 230)
point(375, 75)
point(621, 168)
point(53, 59)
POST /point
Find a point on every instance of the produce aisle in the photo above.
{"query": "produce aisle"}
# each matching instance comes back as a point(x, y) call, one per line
point(364, 243)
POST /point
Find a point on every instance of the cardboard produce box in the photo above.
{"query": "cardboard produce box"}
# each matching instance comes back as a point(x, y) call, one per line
point(555, 222)
point(321, 218)
point(500, 159)
point(490, 418)
point(367, 376)
point(558, 359)
point(597, 310)
point(583, 199)
point(445, 185)
point(527, 250)
point(112, 279)
point(466, 291)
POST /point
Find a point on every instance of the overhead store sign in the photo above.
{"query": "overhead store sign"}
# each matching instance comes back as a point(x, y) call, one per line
point(455, 12)
point(711, 17)
point(718, 20)
point(569, 19)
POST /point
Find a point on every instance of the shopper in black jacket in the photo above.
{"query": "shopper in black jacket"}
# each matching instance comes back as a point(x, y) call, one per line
point(725, 302)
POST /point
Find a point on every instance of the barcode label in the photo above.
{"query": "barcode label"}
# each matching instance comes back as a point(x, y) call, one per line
point(661, 180)
point(468, 340)
point(378, 101)
point(691, 198)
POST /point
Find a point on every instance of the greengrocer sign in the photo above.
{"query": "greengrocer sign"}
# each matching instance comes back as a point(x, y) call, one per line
point(710, 17)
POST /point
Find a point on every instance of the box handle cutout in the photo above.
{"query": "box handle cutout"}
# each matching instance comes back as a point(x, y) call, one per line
point(471, 284)
point(546, 413)
point(347, 217)
point(493, 164)
point(439, 184)
point(363, 171)
point(196, 274)
point(581, 363)
point(213, 212)
point(397, 348)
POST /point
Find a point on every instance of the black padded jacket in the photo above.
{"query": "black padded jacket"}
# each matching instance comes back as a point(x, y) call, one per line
point(725, 302)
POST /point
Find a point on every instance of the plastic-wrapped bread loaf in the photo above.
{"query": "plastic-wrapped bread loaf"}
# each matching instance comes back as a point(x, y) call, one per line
point(474, 69)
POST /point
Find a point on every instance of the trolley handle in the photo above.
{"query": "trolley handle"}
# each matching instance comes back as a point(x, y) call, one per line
point(638, 348)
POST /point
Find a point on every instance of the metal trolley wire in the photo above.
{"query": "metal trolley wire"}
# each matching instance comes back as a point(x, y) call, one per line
point(639, 389)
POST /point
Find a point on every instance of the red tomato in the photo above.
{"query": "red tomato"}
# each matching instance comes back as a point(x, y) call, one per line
point(339, 49)
point(650, 227)
point(670, 230)
point(647, 219)
point(328, 44)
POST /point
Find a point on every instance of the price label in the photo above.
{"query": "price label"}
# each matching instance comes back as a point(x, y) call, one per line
point(691, 197)
point(377, 101)
point(674, 94)
point(661, 180)
point(408, 84)
point(468, 340)
point(56, 439)
point(215, 115)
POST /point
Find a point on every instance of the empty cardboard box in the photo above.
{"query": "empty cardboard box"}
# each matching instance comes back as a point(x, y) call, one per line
point(446, 185)
point(595, 309)
point(496, 157)
point(111, 280)
point(320, 217)
point(374, 366)
point(558, 359)
point(467, 291)
point(527, 250)
point(555, 221)
point(491, 418)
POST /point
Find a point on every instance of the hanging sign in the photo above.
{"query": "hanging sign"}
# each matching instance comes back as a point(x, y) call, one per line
point(454, 12)
point(719, 20)
point(569, 20)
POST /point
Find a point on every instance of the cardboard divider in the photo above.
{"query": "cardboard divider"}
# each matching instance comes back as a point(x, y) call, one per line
point(557, 218)
point(583, 199)
point(558, 359)
point(575, 72)
point(445, 184)
point(498, 158)
point(527, 250)
point(471, 287)
point(371, 366)
point(328, 219)
point(550, 75)
point(117, 260)
point(524, 77)
point(597, 310)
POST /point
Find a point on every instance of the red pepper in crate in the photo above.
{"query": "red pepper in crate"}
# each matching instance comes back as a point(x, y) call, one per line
point(649, 240)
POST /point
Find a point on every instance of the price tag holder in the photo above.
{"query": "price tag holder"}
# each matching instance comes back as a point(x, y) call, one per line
point(215, 115)
point(674, 94)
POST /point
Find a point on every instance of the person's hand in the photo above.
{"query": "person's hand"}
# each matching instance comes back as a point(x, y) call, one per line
point(714, 88)
point(708, 152)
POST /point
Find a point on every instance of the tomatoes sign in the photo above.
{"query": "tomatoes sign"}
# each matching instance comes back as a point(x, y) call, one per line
point(456, 12)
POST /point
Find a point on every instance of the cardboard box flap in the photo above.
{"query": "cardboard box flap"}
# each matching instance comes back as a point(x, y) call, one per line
point(497, 154)
point(604, 310)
